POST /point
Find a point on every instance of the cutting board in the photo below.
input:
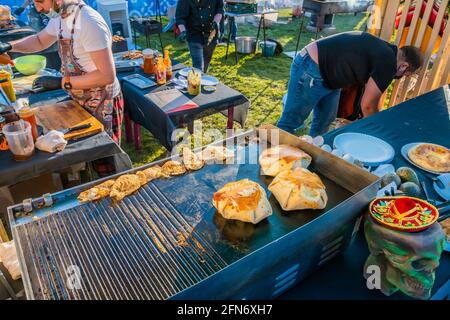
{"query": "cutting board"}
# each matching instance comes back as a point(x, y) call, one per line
point(66, 115)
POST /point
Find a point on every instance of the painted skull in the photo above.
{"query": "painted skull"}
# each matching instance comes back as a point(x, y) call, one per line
point(407, 261)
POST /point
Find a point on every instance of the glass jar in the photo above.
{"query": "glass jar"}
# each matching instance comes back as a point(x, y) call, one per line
point(149, 63)
point(194, 79)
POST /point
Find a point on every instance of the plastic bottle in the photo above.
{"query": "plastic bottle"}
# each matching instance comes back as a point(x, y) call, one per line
point(27, 114)
point(168, 64)
point(6, 85)
point(160, 73)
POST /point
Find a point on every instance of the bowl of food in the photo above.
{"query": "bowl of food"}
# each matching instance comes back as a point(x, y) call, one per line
point(31, 64)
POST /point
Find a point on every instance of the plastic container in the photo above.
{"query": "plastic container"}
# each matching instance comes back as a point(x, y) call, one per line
point(20, 139)
point(31, 64)
point(268, 48)
point(194, 80)
point(168, 64)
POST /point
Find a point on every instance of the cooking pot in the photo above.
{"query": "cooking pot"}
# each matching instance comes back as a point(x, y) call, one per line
point(245, 45)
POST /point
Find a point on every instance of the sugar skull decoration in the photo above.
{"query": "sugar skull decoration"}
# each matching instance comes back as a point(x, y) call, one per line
point(405, 243)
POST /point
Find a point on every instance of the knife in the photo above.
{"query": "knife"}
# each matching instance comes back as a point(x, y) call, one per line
point(76, 128)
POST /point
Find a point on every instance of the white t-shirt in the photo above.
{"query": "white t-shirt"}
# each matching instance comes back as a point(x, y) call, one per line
point(91, 34)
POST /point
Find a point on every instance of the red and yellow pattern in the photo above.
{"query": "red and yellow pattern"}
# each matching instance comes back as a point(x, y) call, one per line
point(403, 213)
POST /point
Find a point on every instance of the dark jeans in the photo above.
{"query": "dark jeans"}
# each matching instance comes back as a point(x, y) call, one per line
point(201, 54)
point(233, 28)
point(306, 93)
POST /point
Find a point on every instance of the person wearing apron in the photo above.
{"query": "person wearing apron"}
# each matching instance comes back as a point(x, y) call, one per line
point(87, 67)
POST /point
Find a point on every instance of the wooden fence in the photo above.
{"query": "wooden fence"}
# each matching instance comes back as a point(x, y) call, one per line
point(421, 23)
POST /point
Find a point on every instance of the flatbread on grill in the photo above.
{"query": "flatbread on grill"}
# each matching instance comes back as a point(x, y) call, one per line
point(124, 186)
point(173, 168)
point(299, 189)
point(150, 174)
point(96, 193)
point(191, 160)
point(431, 157)
point(242, 200)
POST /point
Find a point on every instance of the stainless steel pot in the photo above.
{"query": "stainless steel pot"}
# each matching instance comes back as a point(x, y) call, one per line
point(245, 45)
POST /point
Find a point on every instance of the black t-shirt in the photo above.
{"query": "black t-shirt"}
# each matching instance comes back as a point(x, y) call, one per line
point(351, 58)
point(197, 16)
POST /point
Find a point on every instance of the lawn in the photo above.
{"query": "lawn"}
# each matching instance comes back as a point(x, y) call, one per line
point(262, 80)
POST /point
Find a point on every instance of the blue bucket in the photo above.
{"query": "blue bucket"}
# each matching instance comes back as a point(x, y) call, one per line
point(268, 48)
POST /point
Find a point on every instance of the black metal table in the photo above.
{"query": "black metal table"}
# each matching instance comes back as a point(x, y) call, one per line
point(82, 150)
point(143, 112)
point(423, 119)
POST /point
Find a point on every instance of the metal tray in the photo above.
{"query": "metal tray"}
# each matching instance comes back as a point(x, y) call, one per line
point(133, 250)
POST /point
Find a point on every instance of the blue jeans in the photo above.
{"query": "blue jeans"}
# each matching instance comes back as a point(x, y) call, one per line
point(306, 93)
point(201, 54)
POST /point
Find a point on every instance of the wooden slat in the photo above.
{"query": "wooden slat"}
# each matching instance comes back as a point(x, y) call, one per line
point(446, 80)
point(3, 234)
point(441, 54)
point(377, 19)
point(401, 25)
point(414, 21)
point(389, 20)
point(433, 37)
point(424, 24)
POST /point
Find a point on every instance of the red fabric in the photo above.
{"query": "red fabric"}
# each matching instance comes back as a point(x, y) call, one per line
point(118, 105)
point(347, 102)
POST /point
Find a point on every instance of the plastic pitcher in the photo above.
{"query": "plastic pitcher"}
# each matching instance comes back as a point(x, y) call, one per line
point(20, 139)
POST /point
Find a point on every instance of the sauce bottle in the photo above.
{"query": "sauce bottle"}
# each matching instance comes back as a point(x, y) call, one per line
point(168, 64)
point(6, 85)
point(160, 72)
point(27, 114)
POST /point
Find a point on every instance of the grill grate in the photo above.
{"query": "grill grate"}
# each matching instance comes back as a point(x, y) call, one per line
point(140, 248)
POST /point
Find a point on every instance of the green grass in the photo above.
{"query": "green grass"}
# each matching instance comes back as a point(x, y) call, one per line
point(262, 80)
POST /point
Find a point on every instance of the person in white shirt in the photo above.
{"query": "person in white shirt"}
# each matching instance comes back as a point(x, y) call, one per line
point(84, 44)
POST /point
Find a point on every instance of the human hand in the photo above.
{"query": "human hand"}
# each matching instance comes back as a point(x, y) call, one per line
point(5, 59)
point(47, 83)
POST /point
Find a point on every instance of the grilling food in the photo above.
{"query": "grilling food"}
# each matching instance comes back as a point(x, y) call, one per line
point(281, 158)
point(299, 189)
point(173, 168)
point(431, 157)
point(132, 55)
point(150, 174)
point(117, 38)
point(96, 193)
point(191, 160)
point(242, 200)
point(217, 154)
point(124, 186)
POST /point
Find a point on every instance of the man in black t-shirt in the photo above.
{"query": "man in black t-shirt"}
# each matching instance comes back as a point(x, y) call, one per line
point(326, 66)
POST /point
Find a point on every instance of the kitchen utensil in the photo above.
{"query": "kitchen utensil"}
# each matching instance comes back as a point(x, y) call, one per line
point(368, 149)
point(405, 150)
point(268, 48)
point(438, 182)
point(67, 114)
point(444, 211)
point(20, 140)
point(76, 128)
point(245, 45)
point(31, 64)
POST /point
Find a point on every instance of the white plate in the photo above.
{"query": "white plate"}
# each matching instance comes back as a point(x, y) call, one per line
point(367, 149)
point(209, 81)
point(445, 192)
point(184, 72)
point(405, 150)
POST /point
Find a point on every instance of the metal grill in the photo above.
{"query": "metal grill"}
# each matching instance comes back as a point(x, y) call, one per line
point(140, 248)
